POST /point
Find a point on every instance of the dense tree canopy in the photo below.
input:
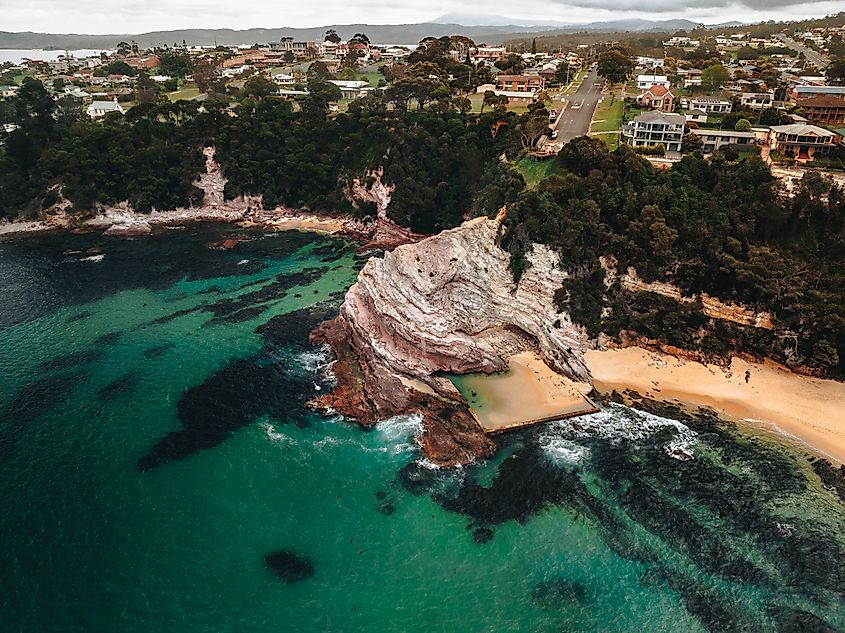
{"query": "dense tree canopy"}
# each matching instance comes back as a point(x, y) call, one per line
point(716, 226)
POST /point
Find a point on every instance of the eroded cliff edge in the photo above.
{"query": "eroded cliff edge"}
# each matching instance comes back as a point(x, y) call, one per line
point(445, 304)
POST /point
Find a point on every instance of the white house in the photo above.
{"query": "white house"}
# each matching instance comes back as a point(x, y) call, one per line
point(696, 116)
point(644, 82)
point(284, 80)
point(656, 127)
point(350, 89)
point(710, 105)
point(8, 91)
point(102, 108)
point(757, 100)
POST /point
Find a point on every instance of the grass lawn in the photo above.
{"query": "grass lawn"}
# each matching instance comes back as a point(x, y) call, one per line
point(608, 116)
point(372, 78)
point(183, 93)
point(535, 171)
point(611, 140)
point(478, 98)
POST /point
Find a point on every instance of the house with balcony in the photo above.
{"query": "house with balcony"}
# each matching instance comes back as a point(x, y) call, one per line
point(757, 100)
point(717, 139)
point(803, 140)
point(823, 109)
point(520, 83)
point(656, 127)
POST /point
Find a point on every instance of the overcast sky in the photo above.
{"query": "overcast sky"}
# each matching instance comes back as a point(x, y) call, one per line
point(138, 16)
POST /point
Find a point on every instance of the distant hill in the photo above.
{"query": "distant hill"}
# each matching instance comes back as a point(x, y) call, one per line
point(491, 29)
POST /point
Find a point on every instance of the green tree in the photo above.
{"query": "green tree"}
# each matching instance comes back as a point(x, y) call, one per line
point(743, 125)
point(714, 77)
point(835, 72)
point(615, 65)
point(259, 87)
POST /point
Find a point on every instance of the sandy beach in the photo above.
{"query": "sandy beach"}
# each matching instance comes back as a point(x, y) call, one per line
point(806, 411)
point(528, 393)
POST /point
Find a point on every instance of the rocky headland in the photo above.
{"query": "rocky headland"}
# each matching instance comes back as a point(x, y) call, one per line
point(446, 304)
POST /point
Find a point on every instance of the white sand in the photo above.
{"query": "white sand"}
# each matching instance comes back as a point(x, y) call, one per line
point(803, 410)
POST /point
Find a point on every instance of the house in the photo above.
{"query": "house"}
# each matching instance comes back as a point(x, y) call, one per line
point(349, 88)
point(802, 139)
point(300, 50)
point(824, 109)
point(144, 61)
point(696, 116)
point(656, 127)
point(516, 96)
point(710, 105)
point(8, 91)
point(520, 83)
point(489, 53)
point(649, 62)
point(757, 100)
point(657, 97)
point(800, 92)
point(102, 108)
point(644, 82)
point(717, 139)
point(683, 42)
point(284, 80)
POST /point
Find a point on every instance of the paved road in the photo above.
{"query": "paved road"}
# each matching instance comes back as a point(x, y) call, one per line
point(812, 56)
point(575, 120)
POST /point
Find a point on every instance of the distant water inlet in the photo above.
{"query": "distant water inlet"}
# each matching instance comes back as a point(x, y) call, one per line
point(529, 392)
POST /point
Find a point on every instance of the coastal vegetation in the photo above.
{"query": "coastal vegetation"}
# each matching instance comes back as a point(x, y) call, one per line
point(719, 227)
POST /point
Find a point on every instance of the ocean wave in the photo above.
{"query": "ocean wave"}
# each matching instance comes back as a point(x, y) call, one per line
point(318, 361)
point(275, 436)
point(567, 441)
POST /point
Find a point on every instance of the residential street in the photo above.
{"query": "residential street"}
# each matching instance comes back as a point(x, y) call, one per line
point(812, 56)
point(575, 120)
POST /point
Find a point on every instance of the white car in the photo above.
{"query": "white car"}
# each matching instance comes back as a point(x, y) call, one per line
point(575, 106)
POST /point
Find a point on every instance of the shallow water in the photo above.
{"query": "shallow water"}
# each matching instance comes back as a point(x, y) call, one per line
point(158, 471)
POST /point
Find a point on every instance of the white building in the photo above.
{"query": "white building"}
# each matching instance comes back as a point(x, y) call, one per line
point(644, 82)
point(102, 108)
point(655, 127)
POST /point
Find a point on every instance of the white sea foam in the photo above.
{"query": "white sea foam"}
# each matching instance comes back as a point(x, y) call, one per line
point(563, 451)
point(275, 436)
point(566, 440)
point(93, 258)
point(318, 361)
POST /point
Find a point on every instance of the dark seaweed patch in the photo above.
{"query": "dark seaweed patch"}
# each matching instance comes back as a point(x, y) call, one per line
point(560, 593)
point(116, 387)
point(482, 535)
point(157, 351)
point(108, 339)
point(69, 360)
point(789, 621)
point(39, 397)
point(229, 400)
point(295, 326)
point(525, 484)
point(833, 478)
point(288, 566)
point(255, 301)
point(173, 315)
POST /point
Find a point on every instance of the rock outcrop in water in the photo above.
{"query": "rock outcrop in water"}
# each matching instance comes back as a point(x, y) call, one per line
point(445, 304)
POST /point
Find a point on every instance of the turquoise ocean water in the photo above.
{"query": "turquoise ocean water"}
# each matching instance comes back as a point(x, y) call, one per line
point(155, 453)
